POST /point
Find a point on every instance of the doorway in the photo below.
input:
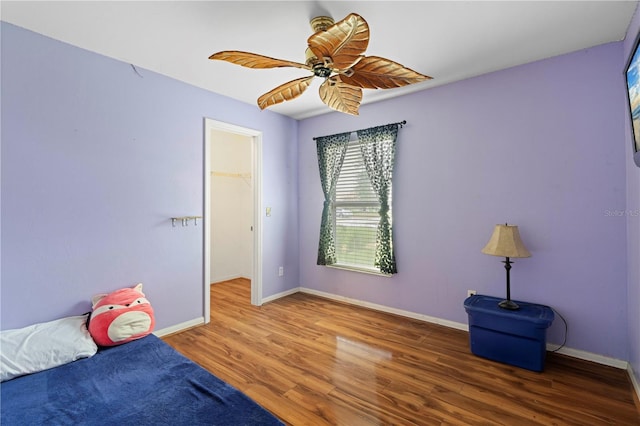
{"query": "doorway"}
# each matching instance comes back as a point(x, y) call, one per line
point(240, 175)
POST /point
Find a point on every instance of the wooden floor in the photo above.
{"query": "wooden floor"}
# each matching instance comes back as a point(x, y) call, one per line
point(312, 361)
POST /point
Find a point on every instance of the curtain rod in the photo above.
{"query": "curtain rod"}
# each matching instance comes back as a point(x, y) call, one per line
point(399, 123)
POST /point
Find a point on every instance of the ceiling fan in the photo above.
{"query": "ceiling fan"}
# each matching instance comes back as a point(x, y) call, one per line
point(336, 53)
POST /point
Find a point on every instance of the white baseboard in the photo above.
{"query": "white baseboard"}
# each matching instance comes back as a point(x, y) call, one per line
point(634, 381)
point(228, 278)
point(280, 295)
point(179, 327)
point(589, 356)
point(382, 308)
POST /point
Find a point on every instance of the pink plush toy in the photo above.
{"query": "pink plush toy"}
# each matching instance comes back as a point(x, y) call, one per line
point(120, 317)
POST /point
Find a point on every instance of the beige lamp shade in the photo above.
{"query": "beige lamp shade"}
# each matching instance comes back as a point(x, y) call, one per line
point(505, 242)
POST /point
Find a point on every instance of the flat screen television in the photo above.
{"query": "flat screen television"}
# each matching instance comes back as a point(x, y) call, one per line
point(632, 74)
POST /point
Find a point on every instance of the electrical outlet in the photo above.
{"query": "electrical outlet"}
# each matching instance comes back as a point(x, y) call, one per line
point(470, 292)
point(281, 271)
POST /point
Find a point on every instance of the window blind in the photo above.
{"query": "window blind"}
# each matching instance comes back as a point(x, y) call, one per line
point(356, 212)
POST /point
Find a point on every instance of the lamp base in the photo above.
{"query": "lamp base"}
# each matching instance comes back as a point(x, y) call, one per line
point(509, 304)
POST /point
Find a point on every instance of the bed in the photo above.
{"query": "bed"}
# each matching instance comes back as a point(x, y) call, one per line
point(143, 382)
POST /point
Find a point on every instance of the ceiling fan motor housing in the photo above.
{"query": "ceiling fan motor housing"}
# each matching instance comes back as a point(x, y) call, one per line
point(319, 70)
point(319, 66)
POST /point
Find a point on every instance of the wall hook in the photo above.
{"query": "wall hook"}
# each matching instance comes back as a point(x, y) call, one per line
point(185, 220)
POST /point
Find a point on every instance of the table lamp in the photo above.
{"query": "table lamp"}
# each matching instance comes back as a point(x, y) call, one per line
point(505, 242)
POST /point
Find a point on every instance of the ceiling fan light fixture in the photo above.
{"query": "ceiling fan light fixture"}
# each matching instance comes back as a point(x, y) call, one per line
point(310, 57)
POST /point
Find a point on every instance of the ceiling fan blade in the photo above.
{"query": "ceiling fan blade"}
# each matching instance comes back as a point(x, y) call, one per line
point(253, 60)
point(284, 92)
point(344, 42)
point(374, 72)
point(340, 96)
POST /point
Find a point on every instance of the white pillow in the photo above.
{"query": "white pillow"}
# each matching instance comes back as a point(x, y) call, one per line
point(42, 346)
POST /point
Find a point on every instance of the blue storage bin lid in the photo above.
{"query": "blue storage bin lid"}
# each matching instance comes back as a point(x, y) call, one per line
point(539, 314)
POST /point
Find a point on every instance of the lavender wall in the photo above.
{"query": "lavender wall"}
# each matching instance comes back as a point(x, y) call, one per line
point(538, 146)
point(95, 159)
point(633, 225)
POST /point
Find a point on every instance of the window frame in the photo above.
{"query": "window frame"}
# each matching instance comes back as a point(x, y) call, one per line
point(354, 143)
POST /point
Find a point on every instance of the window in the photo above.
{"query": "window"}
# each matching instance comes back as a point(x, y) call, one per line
point(356, 213)
point(356, 230)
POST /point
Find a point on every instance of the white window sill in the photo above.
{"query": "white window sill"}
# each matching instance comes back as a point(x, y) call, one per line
point(359, 269)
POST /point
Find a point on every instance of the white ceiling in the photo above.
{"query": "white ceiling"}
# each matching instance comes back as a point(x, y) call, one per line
point(448, 40)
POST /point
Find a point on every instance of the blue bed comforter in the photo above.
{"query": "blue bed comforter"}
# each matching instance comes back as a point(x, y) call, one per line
point(144, 382)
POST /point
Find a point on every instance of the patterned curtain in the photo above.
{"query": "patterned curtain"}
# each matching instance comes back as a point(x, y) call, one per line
point(378, 146)
point(331, 151)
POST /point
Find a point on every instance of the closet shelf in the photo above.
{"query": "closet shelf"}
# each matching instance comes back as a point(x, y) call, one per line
point(235, 175)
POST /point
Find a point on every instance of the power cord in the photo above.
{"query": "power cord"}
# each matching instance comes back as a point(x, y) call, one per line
point(566, 328)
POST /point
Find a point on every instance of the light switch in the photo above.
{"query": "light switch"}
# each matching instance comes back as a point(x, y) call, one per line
point(268, 211)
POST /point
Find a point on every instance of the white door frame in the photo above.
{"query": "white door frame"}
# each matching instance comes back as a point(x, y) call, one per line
point(256, 180)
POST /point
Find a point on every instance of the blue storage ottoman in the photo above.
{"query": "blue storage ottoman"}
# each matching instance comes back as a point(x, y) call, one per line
point(516, 337)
